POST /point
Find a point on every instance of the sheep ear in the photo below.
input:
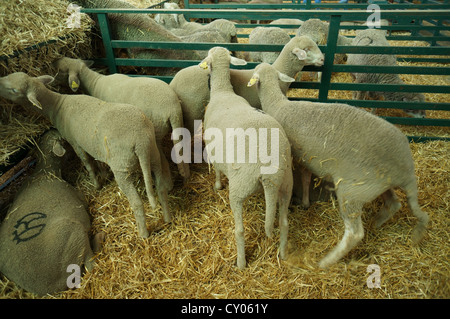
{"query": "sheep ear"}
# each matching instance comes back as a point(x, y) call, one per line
point(301, 54)
point(31, 95)
point(46, 79)
point(237, 61)
point(58, 149)
point(285, 78)
point(88, 63)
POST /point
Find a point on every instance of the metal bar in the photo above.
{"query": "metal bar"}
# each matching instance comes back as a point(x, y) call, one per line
point(391, 69)
point(333, 32)
point(106, 37)
point(275, 14)
point(384, 104)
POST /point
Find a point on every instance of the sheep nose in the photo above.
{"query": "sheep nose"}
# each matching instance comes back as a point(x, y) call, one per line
point(320, 61)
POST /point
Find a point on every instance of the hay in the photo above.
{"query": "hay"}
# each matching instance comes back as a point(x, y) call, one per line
point(195, 255)
point(21, 28)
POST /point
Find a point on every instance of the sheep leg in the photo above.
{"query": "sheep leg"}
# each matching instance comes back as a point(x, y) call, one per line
point(284, 200)
point(162, 186)
point(411, 195)
point(218, 183)
point(236, 203)
point(391, 206)
point(125, 183)
point(165, 168)
point(306, 181)
point(271, 198)
point(87, 162)
point(354, 232)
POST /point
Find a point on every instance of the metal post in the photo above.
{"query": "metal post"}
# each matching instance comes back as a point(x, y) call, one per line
point(330, 51)
point(106, 36)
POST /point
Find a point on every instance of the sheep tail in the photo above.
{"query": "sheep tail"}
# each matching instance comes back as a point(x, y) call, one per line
point(144, 157)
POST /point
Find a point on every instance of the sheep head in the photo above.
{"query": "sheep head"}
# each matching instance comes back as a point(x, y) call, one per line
point(71, 68)
point(21, 88)
point(222, 54)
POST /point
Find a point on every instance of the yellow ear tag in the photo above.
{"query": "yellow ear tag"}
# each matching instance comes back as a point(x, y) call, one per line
point(74, 85)
point(204, 65)
point(37, 104)
point(252, 82)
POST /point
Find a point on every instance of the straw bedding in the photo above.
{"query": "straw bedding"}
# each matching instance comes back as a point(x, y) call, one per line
point(194, 256)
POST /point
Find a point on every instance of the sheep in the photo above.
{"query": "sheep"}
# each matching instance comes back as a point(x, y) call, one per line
point(373, 37)
point(267, 35)
point(154, 97)
point(119, 135)
point(46, 227)
point(228, 111)
point(314, 28)
point(317, 30)
point(169, 21)
point(191, 83)
point(226, 28)
point(361, 166)
point(288, 21)
point(139, 27)
point(178, 25)
point(211, 36)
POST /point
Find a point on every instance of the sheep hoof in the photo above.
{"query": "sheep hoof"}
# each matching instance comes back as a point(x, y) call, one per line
point(418, 233)
point(217, 186)
point(306, 205)
point(144, 233)
point(97, 241)
point(241, 264)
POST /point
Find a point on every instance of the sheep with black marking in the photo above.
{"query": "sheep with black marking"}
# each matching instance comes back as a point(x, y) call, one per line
point(362, 166)
point(119, 135)
point(373, 37)
point(47, 226)
point(228, 113)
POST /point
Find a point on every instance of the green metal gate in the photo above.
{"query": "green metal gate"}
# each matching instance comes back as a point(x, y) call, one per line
point(436, 27)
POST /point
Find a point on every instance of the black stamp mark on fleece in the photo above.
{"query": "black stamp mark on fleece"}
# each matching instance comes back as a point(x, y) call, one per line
point(29, 227)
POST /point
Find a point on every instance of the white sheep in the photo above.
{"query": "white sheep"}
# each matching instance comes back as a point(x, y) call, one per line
point(47, 226)
point(288, 21)
point(228, 111)
point(267, 35)
point(210, 36)
point(226, 28)
point(373, 37)
point(361, 166)
point(177, 24)
point(317, 30)
point(169, 21)
point(191, 83)
point(154, 97)
point(119, 135)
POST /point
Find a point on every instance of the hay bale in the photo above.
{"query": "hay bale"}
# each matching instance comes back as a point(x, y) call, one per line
point(24, 25)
